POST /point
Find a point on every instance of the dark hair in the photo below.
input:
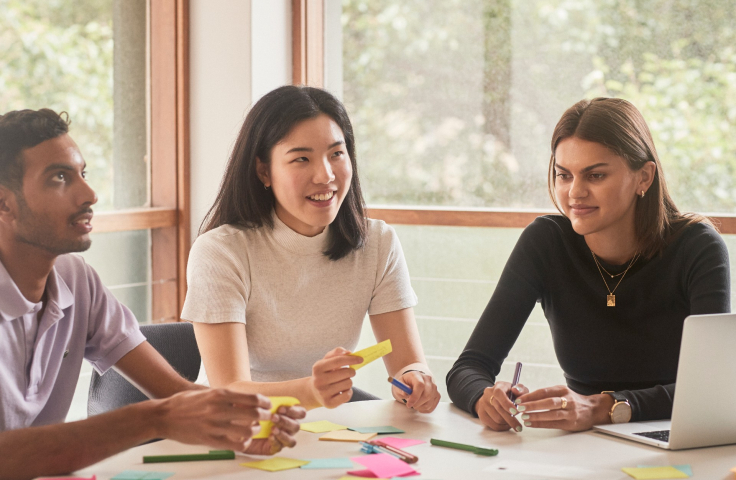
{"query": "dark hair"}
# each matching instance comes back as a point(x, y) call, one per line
point(22, 129)
point(243, 201)
point(619, 126)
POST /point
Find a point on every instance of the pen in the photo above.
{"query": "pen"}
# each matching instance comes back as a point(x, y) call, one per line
point(213, 455)
point(517, 374)
point(488, 452)
point(403, 455)
point(400, 385)
point(372, 448)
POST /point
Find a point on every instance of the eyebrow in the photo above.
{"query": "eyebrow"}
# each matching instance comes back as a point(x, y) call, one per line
point(307, 149)
point(62, 166)
point(586, 169)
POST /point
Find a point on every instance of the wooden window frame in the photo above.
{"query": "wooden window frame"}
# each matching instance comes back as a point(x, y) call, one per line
point(169, 212)
point(308, 65)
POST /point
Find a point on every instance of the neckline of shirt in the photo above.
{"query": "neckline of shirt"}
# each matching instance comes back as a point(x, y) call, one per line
point(297, 243)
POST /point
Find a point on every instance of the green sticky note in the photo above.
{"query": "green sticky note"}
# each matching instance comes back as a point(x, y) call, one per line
point(329, 463)
point(654, 473)
point(142, 475)
point(379, 430)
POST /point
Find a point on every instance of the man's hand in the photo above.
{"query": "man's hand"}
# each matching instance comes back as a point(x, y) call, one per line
point(543, 408)
point(285, 426)
point(495, 409)
point(331, 382)
point(219, 417)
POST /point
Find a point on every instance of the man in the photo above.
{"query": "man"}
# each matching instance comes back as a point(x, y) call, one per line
point(54, 311)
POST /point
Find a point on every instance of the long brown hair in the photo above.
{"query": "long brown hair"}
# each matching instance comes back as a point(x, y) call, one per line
point(619, 126)
point(243, 201)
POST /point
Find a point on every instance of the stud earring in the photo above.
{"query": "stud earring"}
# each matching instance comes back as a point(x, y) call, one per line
point(642, 194)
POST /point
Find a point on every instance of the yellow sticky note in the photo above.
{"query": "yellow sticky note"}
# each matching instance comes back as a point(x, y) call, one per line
point(276, 464)
point(276, 402)
point(372, 353)
point(322, 426)
point(652, 473)
point(347, 436)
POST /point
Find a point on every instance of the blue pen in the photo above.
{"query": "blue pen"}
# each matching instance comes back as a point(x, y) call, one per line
point(400, 385)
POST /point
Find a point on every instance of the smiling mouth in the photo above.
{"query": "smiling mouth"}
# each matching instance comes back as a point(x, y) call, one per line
point(322, 197)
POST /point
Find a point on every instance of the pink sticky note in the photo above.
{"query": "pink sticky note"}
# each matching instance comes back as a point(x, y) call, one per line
point(385, 465)
point(397, 442)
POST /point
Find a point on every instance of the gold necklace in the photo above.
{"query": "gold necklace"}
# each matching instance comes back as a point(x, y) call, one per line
point(611, 298)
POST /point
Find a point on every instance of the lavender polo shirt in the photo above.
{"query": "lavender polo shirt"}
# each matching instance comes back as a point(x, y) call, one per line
point(40, 359)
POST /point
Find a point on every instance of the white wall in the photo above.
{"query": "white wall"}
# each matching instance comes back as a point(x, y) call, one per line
point(239, 50)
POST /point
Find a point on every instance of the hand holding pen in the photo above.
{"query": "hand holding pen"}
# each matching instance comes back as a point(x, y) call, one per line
point(416, 390)
point(496, 409)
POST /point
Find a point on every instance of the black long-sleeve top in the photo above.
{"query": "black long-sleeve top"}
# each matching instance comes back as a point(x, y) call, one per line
point(631, 348)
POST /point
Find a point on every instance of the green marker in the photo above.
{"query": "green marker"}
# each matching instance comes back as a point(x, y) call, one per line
point(213, 455)
point(488, 452)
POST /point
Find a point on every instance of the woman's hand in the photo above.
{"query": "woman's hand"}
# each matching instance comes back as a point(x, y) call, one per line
point(560, 407)
point(285, 426)
point(331, 383)
point(495, 409)
point(424, 396)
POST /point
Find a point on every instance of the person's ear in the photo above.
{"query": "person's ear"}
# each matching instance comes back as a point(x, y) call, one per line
point(264, 172)
point(646, 177)
point(8, 205)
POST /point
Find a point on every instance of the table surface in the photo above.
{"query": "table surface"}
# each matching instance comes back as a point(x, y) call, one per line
point(552, 453)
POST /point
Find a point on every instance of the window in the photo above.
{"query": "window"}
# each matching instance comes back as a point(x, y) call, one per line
point(117, 68)
point(453, 105)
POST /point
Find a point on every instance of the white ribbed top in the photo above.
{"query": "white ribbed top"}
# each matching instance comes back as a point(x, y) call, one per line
point(297, 304)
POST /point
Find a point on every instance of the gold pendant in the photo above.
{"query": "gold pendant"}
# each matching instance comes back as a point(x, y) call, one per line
point(610, 300)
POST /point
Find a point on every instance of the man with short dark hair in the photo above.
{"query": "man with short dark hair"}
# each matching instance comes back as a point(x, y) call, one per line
point(55, 312)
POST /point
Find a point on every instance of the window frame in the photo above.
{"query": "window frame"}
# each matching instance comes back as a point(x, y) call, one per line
point(308, 63)
point(169, 212)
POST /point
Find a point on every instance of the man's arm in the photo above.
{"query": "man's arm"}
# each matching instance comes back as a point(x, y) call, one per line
point(218, 418)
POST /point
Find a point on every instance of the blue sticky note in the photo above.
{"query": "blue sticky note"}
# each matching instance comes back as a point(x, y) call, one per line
point(328, 463)
point(379, 430)
point(142, 475)
point(686, 469)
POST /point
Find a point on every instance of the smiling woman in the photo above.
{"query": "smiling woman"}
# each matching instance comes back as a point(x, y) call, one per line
point(287, 265)
point(620, 235)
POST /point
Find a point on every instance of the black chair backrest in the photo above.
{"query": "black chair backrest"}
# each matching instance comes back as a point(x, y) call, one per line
point(174, 341)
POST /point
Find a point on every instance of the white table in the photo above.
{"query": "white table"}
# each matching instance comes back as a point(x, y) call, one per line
point(584, 455)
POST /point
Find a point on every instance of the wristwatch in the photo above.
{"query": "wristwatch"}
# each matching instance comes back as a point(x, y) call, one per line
point(621, 409)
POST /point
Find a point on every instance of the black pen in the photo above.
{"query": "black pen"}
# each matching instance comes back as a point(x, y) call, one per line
point(517, 375)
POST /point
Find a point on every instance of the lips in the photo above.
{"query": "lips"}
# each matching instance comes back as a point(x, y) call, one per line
point(83, 221)
point(322, 196)
point(580, 209)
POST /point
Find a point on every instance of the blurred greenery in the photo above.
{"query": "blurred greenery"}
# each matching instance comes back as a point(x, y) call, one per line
point(59, 54)
point(453, 102)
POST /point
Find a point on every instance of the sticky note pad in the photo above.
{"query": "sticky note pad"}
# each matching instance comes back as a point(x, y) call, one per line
point(352, 477)
point(651, 473)
point(372, 353)
point(400, 443)
point(142, 475)
point(379, 430)
point(276, 402)
point(687, 469)
point(347, 436)
point(385, 465)
point(322, 426)
point(329, 463)
point(276, 464)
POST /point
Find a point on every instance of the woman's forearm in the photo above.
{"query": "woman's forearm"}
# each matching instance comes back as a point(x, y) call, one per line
point(300, 388)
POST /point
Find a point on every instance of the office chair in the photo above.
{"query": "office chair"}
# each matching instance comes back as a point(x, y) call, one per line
point(174, 341)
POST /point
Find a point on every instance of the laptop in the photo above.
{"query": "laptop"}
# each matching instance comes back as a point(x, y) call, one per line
point(704, 410)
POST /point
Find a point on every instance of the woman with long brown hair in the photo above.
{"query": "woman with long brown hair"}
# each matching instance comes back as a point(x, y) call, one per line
point(616, 275)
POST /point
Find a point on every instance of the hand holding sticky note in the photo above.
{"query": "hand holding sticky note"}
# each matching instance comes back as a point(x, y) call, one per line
point(276, 402)
point(372, 353)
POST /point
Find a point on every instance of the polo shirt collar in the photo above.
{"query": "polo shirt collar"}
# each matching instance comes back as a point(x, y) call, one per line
point(14, 305)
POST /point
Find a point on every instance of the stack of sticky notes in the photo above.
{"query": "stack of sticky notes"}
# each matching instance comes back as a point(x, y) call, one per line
point(372, 353)
point(276, 464)
point(382, 465)
point(142, 475)
point(347, 436)
point(322, 426)
point(647, 472)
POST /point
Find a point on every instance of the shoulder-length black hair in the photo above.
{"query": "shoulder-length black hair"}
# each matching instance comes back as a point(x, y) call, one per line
point(619, 126)
point(243, 201)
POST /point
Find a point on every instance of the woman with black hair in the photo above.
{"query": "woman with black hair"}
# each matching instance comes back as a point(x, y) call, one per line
point(616, 274)
point(287, 265)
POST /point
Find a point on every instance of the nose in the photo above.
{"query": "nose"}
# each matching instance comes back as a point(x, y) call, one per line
point(86, 194)
point(577, 189)
point(323, 172)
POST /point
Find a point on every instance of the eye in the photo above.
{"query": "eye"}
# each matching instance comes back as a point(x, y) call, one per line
point(60, 176)
point(338, 153)
point(597, 176)
point(301, 160)
point(563, 176)
point(84, 174)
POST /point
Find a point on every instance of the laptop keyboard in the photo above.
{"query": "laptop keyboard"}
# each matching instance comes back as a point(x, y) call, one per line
point(661, 435)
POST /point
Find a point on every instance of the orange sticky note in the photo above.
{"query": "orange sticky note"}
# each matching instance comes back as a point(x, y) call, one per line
point(276, 402)
point(347, 436)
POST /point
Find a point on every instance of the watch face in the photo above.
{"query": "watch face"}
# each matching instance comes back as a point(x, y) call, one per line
point(621, 412)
